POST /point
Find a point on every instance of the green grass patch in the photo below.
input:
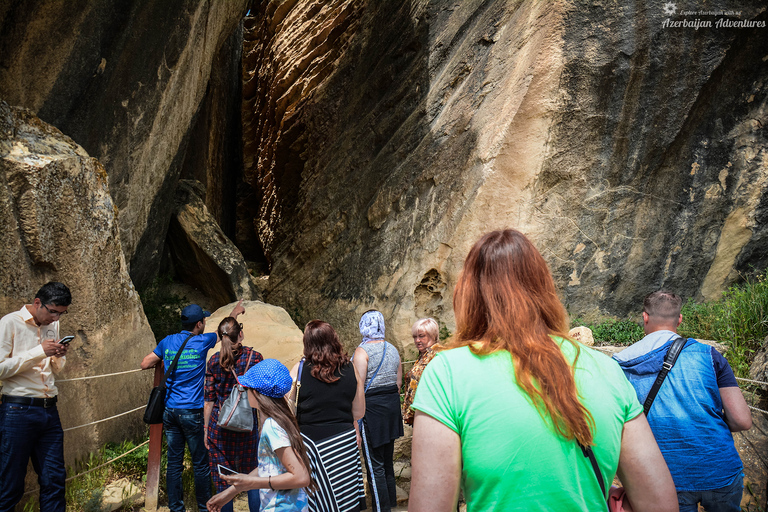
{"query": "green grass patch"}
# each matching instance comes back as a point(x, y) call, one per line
point(738, 320)
point(613, 332)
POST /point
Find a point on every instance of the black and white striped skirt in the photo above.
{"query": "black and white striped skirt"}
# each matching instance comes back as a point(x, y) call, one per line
point(338, 473)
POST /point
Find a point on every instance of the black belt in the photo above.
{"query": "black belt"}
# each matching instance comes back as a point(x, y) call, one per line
point(28, 400)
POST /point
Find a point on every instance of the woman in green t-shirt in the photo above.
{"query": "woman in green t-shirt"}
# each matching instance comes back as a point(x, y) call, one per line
point(512, 411)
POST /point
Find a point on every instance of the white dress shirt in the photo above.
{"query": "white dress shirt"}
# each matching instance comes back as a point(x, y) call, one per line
point(25, 370)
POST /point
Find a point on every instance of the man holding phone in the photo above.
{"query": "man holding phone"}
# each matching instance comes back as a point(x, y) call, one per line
point(30, 354)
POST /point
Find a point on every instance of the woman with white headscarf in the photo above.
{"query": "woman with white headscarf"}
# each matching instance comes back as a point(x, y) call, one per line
point(379, 362)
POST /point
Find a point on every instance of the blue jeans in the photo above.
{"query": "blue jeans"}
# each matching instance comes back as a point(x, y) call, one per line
point(254, 502)
point(186, 426)
point(31, 432)
point(725, 499)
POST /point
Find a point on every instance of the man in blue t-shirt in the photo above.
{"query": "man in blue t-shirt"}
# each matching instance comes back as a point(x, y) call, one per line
point(697, 407)
point(183, 417)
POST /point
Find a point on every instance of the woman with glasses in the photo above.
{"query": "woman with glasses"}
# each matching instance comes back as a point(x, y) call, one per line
point(234, 450)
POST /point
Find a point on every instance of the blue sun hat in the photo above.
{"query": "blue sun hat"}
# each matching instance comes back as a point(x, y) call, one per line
point(269, 377)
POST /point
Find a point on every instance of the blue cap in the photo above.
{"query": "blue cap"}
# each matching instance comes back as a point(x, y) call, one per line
point(269, 377)
point(193, 314)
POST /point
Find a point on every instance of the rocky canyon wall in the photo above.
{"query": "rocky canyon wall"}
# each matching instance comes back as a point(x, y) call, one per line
point(127, 80)
point(382, 138)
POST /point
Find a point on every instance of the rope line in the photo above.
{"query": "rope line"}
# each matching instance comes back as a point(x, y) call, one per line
point(752, 381)
point(756, 409)
point(105, 419)
point(108, 462)
point(99, 466)
point(99, 376)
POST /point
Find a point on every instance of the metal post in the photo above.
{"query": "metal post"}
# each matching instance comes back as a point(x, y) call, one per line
point(155, 454)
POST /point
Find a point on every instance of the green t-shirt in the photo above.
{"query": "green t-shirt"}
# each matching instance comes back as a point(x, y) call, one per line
point(511, 457)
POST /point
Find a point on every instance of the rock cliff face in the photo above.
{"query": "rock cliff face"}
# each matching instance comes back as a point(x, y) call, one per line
point(383, 138)
point(125, 80)
point(59, 222)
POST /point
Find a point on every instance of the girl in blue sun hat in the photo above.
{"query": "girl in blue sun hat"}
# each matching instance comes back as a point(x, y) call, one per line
point(283, 470)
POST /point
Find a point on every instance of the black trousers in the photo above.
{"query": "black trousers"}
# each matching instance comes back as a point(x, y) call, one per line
point(382, 472)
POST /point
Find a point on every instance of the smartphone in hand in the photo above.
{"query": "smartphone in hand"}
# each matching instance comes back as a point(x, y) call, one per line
point(225, 471)
point(65, 340)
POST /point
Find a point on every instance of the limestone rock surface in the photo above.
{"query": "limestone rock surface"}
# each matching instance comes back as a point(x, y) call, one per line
point(758, 370)
point(382, 139)
point(202, 255)
point(268, 329)
point(59, 223)
point(126, 81)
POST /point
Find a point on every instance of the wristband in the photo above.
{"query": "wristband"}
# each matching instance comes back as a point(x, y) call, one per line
point(270, 483)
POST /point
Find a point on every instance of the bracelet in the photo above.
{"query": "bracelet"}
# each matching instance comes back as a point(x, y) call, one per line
point(270, 483)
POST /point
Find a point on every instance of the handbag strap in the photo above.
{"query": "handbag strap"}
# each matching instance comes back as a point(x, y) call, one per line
point(174, 363)
point(587, 451)
point(298, 381)
point(383, 355)
point(669, 361)
point(250, 358)
point(298, 387)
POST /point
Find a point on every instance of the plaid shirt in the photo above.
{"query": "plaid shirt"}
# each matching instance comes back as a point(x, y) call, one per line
point(236, 450)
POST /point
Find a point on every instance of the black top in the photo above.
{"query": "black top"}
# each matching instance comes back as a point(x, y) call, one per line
point(325, 409)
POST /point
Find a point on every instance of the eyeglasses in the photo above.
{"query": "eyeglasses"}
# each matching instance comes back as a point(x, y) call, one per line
point(241, 326)
point(55, 313)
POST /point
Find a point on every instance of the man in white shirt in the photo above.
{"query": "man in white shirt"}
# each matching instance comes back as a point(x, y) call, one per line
point(29, 421)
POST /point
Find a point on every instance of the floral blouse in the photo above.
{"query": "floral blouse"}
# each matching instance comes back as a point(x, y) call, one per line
point(412, 381)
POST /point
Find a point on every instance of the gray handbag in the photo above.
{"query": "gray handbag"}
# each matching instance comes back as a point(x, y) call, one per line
point(235, 412)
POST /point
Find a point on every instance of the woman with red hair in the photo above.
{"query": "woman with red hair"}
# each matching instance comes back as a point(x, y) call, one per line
point(516, 414)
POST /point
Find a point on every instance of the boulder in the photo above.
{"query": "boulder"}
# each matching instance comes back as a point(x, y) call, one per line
point(119, 494)
point(268, 329)
point(382, 139)
point(583, 335)
point(202, 255)
point(59, 223)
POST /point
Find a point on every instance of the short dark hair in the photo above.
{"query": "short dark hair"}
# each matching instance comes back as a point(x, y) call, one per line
point(663, 304)
point(188, 327)
point(54, 293)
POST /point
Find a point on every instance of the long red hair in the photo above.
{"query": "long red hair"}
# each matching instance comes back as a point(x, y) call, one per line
point(505, 299)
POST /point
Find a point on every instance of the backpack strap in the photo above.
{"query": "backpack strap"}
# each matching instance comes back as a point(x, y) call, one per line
point(669, 362)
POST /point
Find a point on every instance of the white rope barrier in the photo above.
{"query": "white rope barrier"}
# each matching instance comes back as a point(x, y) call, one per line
point(110, 461)
point(105, 419)
point(756, 409)
point(753, 381)
point(99, 376)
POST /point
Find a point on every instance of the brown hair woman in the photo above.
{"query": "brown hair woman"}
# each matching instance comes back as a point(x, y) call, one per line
point(235, 450)
point(503, 414)
point(330, 399)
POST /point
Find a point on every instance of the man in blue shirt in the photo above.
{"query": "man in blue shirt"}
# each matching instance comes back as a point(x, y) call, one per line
point(183, 417)
point(697, 407)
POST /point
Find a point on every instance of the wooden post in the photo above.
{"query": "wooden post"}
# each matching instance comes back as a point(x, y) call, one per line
point(155, 453)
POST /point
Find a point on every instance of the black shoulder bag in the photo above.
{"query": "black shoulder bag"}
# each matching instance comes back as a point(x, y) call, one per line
point(153, 414)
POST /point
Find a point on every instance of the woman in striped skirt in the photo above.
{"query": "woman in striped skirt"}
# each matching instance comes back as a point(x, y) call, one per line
point(330, 399)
